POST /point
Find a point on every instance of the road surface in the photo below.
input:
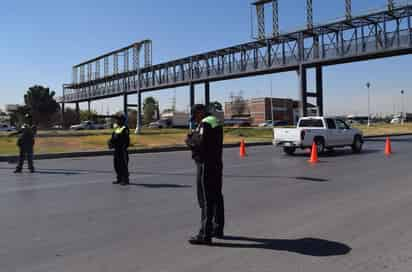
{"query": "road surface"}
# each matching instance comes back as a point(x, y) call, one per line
point(347, 213)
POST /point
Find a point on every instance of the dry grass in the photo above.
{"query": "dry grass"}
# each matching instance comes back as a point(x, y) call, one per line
point(382, 129)
point(53, 142)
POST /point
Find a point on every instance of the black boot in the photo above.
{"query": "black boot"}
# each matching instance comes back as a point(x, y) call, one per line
point(18, 170)
point(197, 240)
point(218, 234)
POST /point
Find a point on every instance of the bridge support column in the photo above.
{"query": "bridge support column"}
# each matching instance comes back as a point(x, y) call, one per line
point(77, 111)
point(125, 105)
point(303, 93)
point(139, 113)
point(319, 89)
point(192, 102)
point(88, 109)
point(207, 93)
point(62, 114)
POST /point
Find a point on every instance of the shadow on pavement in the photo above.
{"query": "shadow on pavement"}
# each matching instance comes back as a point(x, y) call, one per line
point(338, 153)
point(305, 246)
point(47, 172)
point(159, 186)
point(383, 140)
point(78, 172)
point(56, 173)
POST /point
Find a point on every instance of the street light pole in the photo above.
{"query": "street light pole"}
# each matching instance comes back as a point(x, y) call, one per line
point(403, 108)
point(368, 85)
point(271, 101)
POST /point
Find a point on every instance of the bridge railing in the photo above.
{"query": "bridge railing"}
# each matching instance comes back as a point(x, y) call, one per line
point(253, 60)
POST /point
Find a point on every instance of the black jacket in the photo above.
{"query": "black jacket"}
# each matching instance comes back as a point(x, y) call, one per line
point(206, 142)
point(120, 139)
point(26, 137)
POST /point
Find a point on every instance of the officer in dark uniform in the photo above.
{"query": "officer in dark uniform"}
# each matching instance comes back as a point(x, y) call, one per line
point(120, 141)
point(206, 144)
point(25, 142)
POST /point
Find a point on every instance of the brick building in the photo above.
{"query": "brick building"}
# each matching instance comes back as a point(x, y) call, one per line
point(259, 110)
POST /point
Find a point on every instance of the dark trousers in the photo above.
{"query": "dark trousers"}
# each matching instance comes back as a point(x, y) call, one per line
point(210, 198)
point(23, 154)
point(121, 165)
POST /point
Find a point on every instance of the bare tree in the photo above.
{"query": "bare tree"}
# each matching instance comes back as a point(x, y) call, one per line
point(238, 104)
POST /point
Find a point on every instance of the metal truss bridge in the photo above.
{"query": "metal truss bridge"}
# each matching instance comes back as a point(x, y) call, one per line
point(379, 34)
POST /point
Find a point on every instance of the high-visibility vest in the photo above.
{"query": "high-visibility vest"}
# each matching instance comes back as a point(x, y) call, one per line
point(119, 130)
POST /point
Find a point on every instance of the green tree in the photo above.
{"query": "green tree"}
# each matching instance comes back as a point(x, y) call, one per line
point(132, 118)
point(149, 109)
point(85, 115)
point(17, 117)
point(70, 117)
point(42, 105)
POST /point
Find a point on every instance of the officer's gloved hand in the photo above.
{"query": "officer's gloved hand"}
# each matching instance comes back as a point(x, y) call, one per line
point(110, 144)
point(188, 139)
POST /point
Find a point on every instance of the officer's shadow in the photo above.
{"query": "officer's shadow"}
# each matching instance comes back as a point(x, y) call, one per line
point(159, 186)
point(305, 246)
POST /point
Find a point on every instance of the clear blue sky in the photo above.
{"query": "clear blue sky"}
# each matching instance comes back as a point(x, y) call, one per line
point(42, 39)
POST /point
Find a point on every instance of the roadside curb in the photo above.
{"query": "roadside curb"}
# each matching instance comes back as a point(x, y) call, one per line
point(109, 153)
point(387, 135)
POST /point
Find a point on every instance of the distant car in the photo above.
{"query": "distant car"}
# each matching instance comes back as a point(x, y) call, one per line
point(87, 125)
point(396, 121)
point(159, 124)
point(280, 123)
point(7, 128)
point(274, 123)
point(57, 127)
point(237, 122)
point(265, 124)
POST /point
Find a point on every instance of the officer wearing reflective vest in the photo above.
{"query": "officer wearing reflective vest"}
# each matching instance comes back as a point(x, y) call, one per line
point(206, 144)
point(120, 141)
point(25, 142)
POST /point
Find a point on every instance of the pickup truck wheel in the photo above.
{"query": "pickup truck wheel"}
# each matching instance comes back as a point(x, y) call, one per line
point(357, 144)
point(320, 143)
point(289, 150)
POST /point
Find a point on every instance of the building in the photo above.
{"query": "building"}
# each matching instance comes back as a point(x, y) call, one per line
point(259, 110)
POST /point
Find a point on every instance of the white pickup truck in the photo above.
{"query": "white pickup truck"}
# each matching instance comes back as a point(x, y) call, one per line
point(327, 133)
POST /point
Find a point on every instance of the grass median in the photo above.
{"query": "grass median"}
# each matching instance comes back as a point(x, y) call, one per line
point(73, 141)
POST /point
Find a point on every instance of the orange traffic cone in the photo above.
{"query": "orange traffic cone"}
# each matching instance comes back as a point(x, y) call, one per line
point(388, 147)
point(242, 152)
point(314, 154)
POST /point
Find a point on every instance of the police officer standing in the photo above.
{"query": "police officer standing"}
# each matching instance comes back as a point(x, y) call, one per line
point(206, 144)
point(25, 142)
point(120, 141)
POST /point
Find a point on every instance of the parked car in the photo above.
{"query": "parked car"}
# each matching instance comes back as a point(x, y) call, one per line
point(327, 133)
point(237, 122)
point(278, 123)
point(8, 128)
point(87, 125)
point(396, 120)
point(57, 127)
point(160, 124)
point(265, 124)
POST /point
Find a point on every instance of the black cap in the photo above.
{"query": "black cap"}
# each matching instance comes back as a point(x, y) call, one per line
point(198, 108)
point(120, 117)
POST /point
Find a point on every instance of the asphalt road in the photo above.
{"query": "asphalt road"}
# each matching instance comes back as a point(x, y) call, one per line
point(347, 213)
